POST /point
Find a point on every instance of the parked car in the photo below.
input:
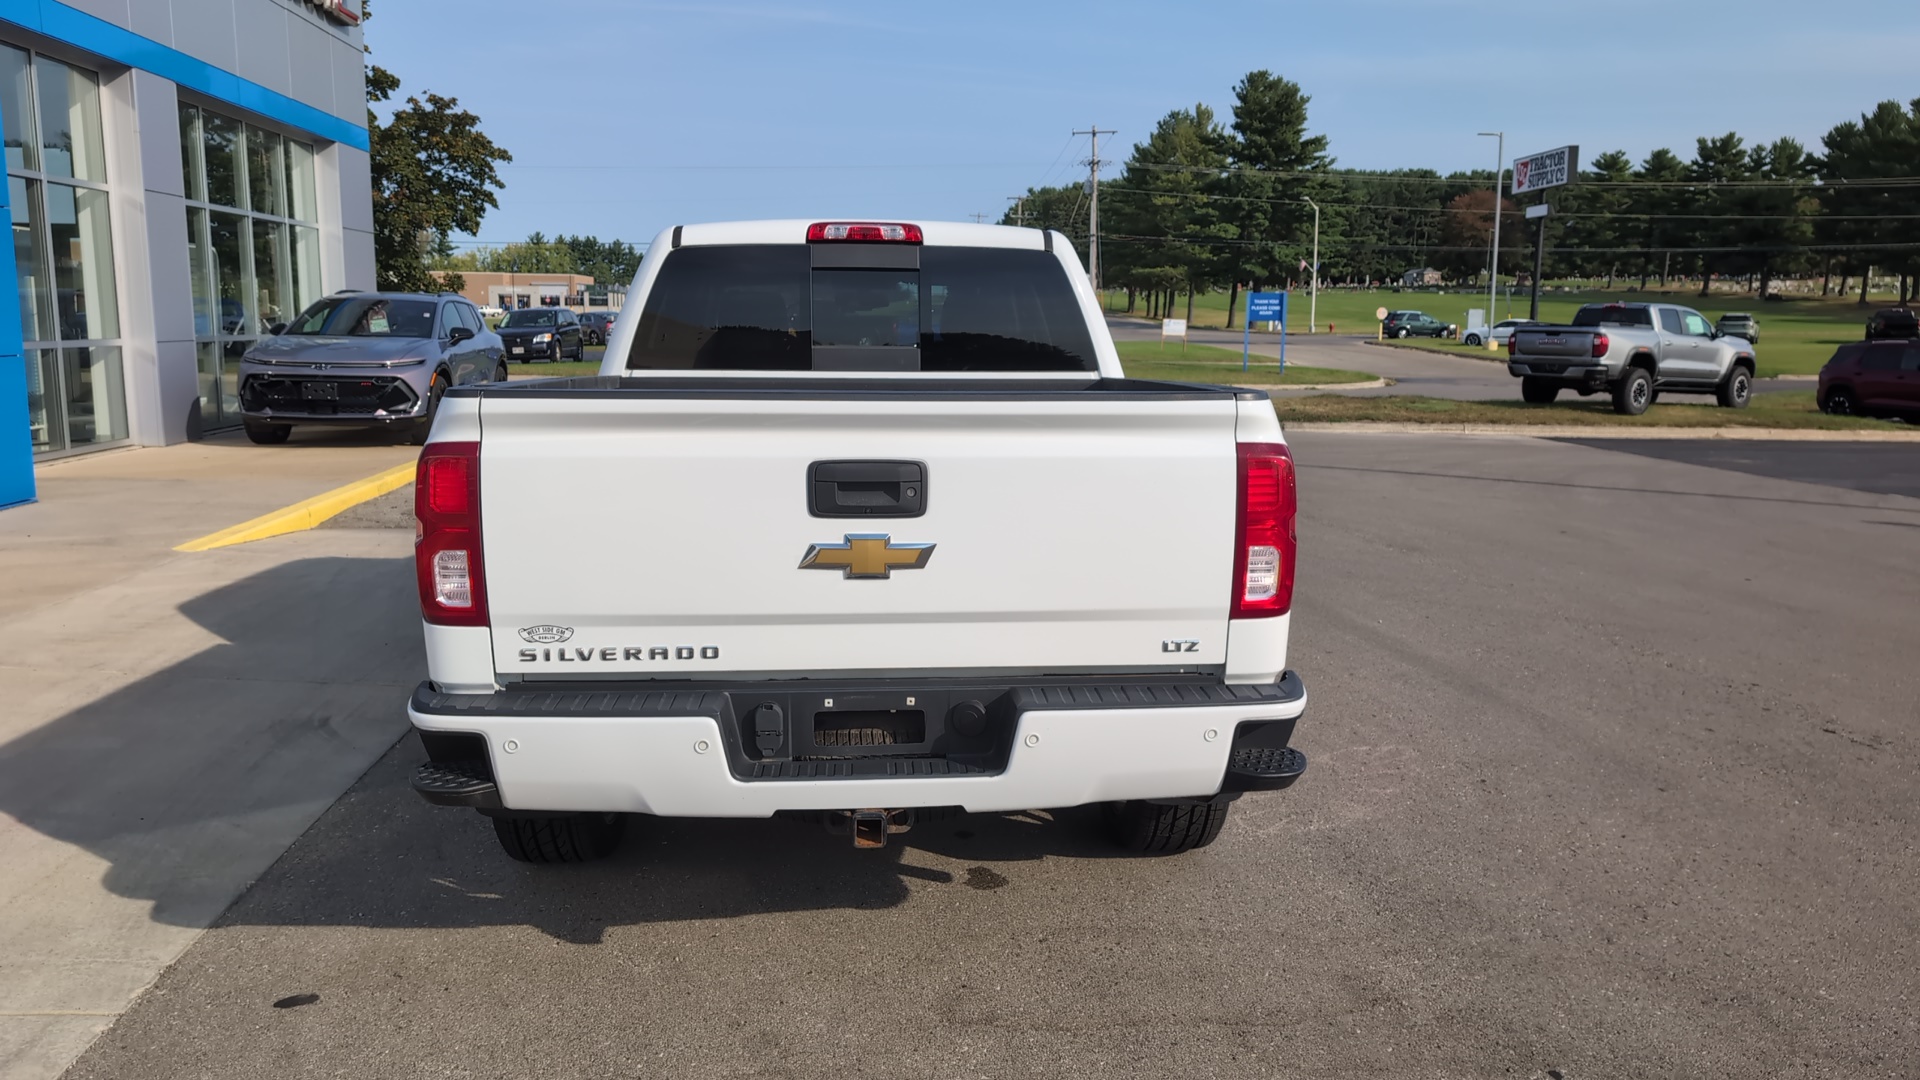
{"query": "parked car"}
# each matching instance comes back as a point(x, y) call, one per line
point(1498, 333)
point(1636, 351)
point(1739, 324)
point(1894, 323)
point(541, 333)
point(1873, 378)
point(596, 325)
point(804, 572)
point(1401, 324)
point(366, 359)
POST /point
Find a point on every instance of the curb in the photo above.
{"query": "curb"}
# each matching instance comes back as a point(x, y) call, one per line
point(1565, 431)
point(307, 513)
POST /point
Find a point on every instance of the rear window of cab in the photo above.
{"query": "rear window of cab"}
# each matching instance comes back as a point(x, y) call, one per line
point(775, 307)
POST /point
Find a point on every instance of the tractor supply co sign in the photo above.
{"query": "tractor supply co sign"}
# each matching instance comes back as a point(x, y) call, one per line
point(1542, 171)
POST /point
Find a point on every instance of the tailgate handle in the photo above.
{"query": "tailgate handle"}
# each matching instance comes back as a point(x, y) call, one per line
point(867, 488)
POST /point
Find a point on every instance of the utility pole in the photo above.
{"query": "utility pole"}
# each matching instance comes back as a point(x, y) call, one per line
point(1019, 209)
point(1493, 267)
point(978, 218)
point(1313, 305)
point(1093, 209)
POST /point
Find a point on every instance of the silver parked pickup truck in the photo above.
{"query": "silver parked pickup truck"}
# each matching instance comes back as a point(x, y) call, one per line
point(1634, 351)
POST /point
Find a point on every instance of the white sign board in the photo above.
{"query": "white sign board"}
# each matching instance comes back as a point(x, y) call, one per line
point(1173, 328)
point(1542, 171)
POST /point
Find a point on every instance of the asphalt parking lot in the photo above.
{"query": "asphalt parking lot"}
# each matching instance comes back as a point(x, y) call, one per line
point(1612, 754)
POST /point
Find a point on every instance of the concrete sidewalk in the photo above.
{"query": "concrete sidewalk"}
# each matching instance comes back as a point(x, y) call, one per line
point(103, 516)
point(174, 721)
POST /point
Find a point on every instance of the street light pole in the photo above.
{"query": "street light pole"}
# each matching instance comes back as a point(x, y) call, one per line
point(1493, 271)
point(1313, 305)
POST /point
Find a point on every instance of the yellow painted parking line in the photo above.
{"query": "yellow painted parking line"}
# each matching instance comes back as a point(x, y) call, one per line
point(305, 514)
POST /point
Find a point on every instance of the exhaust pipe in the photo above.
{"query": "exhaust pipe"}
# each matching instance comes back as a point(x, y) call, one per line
point(871, 827)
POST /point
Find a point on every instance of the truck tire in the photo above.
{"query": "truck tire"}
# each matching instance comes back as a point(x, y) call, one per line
point(1166, 829)
point(575, 838)
point(1634, 392)
point(1538, 391)
point(1737, 389)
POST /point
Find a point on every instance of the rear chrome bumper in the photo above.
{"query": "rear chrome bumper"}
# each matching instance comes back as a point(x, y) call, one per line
point(681, 754)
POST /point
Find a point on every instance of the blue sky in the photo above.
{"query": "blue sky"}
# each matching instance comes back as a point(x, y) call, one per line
point(625, 117)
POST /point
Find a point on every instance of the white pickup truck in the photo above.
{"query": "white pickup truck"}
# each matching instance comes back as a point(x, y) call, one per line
point(859, 519)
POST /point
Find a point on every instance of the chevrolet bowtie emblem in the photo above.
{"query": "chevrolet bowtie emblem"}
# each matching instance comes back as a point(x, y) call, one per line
point(867, 555)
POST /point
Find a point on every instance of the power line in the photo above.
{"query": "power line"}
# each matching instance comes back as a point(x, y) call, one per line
point(1352, 247)
point(1384, 178)
point(1511, 213)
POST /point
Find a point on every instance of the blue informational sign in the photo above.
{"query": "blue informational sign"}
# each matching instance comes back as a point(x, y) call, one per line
point(1264, 307)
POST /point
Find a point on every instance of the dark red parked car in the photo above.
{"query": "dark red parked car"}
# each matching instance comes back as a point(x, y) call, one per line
point(1872, 378)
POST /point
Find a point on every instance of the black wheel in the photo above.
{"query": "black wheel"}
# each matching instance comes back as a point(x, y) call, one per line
point(1737, 390)
point(1402, 332)
point(575, 838)
point(500, 373)
point(1538, 391)
point(417, 434)
point(1472, 339)
point(269, 434)
point(1840, 402)
point(1633, 393)
point(1166, 829)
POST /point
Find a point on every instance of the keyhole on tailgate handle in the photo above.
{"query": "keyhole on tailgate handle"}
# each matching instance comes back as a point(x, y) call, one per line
point(911, 493)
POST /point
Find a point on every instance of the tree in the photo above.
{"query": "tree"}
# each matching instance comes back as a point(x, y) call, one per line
point(1277, 168)
point(1653, 204)
point(1883, 144)
point(1466, 233)
point(433, 174)
point(1719, 160)
point(1165, 205)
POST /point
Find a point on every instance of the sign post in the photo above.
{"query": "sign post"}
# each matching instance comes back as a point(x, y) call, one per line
point(1550, 169)
point(1264, 307)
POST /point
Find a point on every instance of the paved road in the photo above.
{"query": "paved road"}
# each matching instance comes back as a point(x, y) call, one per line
point(1414, 371)
point(1613, 772)
point(1886, 468)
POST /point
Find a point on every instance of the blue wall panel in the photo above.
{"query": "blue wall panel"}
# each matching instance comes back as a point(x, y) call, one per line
point(16, 442)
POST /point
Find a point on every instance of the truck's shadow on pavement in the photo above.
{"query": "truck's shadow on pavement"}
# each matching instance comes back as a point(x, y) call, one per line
point(191, 782)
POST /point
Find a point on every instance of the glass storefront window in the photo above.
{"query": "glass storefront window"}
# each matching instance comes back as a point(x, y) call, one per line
point(231, 261)
point(252, 240)
point(30, 260)
point(220, 140)
point(82, 263)
point(193, 172)
point(16, 104)
point(270, 268)
point(93, 405)
point(62, 252)
point(300, 182)
point(70, 143)
point(266, 174)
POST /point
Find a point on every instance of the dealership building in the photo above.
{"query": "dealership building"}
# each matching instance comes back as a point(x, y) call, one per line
point(181, 175)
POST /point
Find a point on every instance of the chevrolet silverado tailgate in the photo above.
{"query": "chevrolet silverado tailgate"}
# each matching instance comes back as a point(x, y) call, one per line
point(660, 530)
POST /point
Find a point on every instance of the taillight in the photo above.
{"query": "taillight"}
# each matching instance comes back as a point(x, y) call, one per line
point(1513, 343)
point(446, 548)
point(863, 231)
point(1600, 343)
point(1264, 539)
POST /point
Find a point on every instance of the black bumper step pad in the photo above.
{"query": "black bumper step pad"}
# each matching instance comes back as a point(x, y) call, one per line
point(863, 768)
point(1260, 768)
point(457, 783)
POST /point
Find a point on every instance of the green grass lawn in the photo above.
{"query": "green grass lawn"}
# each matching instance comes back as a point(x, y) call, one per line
point(1787, 409)
point(553, 369)
point(1796, 336)
point(1210, 364)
